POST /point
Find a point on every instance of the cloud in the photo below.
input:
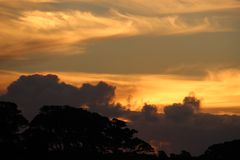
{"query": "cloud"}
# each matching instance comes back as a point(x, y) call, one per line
point(179, 112)
point(44, 27)
point(133, 90)
point(33, 91)
point(180, 126)
point(149, 112)
point(57, 32)
point(174, 6)
point(160, 6)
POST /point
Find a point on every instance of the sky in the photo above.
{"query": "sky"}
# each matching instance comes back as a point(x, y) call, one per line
point(149, 56)
point(156, 52)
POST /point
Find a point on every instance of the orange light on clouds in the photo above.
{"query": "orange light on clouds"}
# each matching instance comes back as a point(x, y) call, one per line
point(216, 90)
point(61, 32)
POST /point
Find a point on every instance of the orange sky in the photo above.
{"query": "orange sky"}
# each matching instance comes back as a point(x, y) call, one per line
point(156, 52)
point(217, 90)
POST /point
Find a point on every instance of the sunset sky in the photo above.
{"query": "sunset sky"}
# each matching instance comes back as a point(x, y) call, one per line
point(156, 52)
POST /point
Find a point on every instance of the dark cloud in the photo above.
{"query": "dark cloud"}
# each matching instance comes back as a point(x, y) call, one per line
point(32, 92)
point(149, 112)
point(179, 112)
point(182, 126)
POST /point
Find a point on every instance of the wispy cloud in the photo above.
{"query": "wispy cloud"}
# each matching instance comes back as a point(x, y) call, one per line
point(27, 28)
point(174, 6)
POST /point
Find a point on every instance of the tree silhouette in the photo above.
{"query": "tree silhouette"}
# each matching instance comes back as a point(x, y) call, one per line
point(65, 132)
point(11, 124)
point(162, 155)
point(184, 155)
point(58, 129)
point(223, 151)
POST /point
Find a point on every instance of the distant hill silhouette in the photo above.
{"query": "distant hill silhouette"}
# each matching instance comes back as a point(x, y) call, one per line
point(66, 132)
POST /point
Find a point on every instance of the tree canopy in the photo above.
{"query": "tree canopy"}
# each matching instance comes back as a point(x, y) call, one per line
point(68, 129)
point(11, 124)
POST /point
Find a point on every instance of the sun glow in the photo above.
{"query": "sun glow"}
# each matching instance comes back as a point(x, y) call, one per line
point(216, 90)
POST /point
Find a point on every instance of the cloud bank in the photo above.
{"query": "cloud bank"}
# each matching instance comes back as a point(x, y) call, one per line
point(32, 92)
point(180, 126)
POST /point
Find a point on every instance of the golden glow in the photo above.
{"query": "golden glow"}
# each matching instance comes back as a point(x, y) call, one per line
point(124, 119)
point(6, 78)
point(216, 90)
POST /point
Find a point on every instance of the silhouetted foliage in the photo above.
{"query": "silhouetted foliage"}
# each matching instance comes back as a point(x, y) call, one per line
point(74, 130)
point(65, 132)
point(162, 155)
point(223, 151)
point(184, 155)
point(11, 123)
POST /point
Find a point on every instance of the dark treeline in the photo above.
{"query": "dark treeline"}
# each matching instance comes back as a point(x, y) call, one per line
point(66, 132)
